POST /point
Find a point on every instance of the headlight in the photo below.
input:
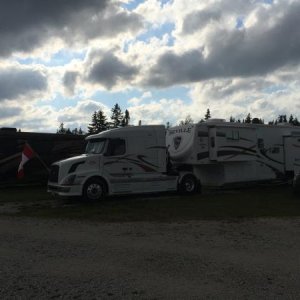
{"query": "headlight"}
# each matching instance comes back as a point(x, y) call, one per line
point(69, 180)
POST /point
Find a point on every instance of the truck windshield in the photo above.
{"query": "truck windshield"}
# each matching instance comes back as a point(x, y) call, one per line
point(95, 146)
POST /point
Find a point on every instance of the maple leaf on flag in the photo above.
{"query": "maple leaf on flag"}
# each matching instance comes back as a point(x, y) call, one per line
point(27, 154)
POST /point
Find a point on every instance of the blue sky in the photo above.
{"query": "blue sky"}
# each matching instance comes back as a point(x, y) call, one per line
point(60, 58)
point(131, 5)
point(161, 60)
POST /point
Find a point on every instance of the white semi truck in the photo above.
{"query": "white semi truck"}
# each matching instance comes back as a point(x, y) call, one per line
point(143, 159)
point(117, 161)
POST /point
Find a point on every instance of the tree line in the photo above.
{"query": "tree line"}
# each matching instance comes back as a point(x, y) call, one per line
point(248, 120)
point(99, 121)
point(280, 119)
point(188, 119)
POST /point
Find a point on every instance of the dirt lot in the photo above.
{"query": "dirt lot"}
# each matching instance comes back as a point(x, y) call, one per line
point(245, 258)
point(241, 244)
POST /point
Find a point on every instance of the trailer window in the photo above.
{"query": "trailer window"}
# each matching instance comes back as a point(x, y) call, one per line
point(95, 146)
point(260, 144)
point(233, 135)
point(275, 150)
point(116, 147)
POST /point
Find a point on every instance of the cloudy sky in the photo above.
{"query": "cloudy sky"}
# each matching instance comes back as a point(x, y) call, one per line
point(60, 60)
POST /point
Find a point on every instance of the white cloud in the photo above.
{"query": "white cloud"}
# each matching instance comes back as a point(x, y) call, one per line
point(263, 97)
point(21, 82)
point(230, 69)
point(158, 112)
point(47, 119)
point(74, 23)
point(135, 101)
point(154, 12)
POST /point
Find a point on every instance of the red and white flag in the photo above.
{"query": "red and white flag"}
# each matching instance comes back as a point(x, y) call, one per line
point(27, 154)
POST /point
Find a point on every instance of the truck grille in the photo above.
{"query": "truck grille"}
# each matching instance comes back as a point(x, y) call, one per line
point(53, 176)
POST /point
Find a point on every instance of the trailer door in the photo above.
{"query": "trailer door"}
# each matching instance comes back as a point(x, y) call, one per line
point(291, 152)
point(212, 143)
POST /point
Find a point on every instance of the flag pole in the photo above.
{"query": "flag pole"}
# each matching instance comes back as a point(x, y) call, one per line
point(39, 158)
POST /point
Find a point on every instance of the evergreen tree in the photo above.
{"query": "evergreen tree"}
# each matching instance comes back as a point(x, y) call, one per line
point(116, 116)
point(68, 131)
point(207, 115)
point(296, 122)
point(282, 119)
point(75, 131)
point(291, 119)
point(126, 118)
point(101, 121)
point(80, 131)
point(188, 120)
point(248, 119)
point(61, 129)
point(231, 119)
point(123, 124)
point(92, 127)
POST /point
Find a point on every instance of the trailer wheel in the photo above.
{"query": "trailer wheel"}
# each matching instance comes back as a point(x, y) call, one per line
point(94, 190)
point(189, 184)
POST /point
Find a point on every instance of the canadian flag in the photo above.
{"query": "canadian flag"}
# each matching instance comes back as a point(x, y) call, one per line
point(27, 154)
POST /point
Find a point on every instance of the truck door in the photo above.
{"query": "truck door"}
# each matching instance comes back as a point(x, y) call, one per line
point(116, 167)
point(212, 143)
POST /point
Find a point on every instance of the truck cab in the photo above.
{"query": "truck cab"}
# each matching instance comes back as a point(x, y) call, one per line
point(117, 161)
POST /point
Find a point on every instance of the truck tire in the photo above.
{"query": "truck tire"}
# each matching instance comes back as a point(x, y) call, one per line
point(94, 190)
point(189, 184)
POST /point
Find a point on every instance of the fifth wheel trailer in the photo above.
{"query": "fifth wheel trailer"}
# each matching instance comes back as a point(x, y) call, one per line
point(143, 159)
point(221, 153)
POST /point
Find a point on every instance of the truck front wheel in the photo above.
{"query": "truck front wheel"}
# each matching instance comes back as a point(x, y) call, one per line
point(94, 189)
point(189, 184)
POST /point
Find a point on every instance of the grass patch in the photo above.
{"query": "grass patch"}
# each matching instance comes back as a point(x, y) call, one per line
point(277, 201)
point(24, 194)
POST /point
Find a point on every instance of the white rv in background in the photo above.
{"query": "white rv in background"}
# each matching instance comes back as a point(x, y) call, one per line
point(143, 159)
point(220, 153)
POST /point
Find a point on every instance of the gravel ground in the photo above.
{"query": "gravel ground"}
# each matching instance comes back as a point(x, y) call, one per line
point(248, 259)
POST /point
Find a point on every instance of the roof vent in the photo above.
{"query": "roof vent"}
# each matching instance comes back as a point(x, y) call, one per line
point(283, 124)
point(215, 121)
